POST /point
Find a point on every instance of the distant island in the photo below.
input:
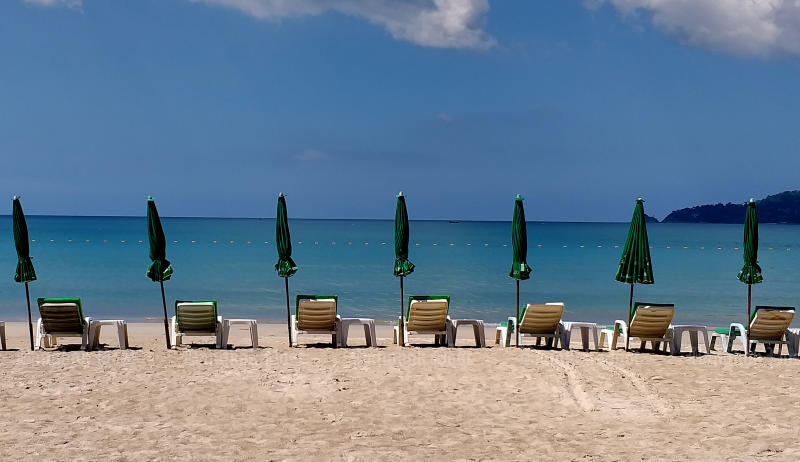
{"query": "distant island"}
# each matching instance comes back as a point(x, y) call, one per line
point(777, 208)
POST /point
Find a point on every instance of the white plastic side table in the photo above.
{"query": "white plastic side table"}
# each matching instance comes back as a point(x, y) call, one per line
point(369, 330)
point(566, 334)
point(94, 332)
point(677, 333)
point(477, 328)
point(251, 323)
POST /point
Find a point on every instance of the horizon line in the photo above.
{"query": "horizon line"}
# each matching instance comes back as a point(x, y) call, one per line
point(452, 220)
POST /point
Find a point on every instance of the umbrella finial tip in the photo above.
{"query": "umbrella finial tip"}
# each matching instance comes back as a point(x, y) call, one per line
point(400, 194)
point(149, 198)
point(15, 198)
point(752, 200)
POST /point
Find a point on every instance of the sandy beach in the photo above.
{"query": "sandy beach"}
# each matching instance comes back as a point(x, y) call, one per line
point(316, 402)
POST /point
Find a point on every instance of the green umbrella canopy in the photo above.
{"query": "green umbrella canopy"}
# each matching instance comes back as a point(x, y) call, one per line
point(402, 267)
point(285, 266)
point(519, 242)
point(160, 269)
point(750, 272)
point(25, 272)
point(635, 266)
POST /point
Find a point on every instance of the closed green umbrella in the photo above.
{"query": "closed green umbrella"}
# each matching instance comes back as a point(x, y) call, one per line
point(160, 269)
point(750, 273)
point(635, 266)
point(285, 266)
point(24, 272)
point(519, 249)
point(402, 266)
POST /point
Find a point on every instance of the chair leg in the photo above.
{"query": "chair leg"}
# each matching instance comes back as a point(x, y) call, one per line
point(122, 333)
point(3, 336)
point(373, 342)
point(254, 334)
point(293, 334)
point(94, 336)
point(38, 343)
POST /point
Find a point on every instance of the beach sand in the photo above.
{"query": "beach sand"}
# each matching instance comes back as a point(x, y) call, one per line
point(319, 403)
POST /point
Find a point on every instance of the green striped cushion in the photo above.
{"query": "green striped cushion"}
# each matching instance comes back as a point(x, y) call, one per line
point(196, 316)
point(61, 315)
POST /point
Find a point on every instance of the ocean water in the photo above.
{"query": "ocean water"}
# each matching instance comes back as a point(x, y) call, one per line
point(103, 260)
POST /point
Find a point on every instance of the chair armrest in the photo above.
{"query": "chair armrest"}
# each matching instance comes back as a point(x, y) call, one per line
point(738, 326)
point(512, 323)
point(620, 324)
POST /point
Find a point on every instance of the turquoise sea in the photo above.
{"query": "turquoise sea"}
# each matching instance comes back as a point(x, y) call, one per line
point(103, 260)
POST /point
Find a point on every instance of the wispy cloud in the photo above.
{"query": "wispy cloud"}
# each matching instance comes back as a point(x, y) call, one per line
point(445, 117)
point(310, 154)
point(431, 23)
point(741, 27)
point(67, 3)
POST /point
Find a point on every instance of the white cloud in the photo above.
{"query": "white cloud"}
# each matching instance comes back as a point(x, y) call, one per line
point(445, 117)
point(742, 27)
point(67, 3)
point(310, 154)
point(432, 23)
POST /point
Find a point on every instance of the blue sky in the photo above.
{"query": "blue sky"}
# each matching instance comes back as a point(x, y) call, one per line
point(215, 106)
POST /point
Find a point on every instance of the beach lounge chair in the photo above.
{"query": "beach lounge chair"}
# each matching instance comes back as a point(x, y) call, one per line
point(3, 335)
point(542, 321)
point(768, 325)
point(649, 323)
point(427, 315)
point(197, 319)
point(61, 317)
point(316, 314)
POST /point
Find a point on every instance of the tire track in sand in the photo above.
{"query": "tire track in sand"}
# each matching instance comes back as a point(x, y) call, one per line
point(573, 379)
point(659, 404)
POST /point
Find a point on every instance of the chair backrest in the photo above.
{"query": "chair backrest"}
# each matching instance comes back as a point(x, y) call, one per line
point(61, 315)
point(541, 318)
point(427, 313)
point(651, 320)
point(196, 316)
point(316, 312)
point(770, 322)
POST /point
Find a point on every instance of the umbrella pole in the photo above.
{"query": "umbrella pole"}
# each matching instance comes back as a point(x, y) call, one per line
point(166, 326)
point(630, 312)
point(288, 315)
point(516, 320)
point(30, 322)
point(747, 327)
point(400, 339)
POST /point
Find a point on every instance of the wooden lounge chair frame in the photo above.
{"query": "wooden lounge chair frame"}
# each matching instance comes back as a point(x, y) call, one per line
point(316, 314)
point(61, 317)
point(650, 323)
point(197, 319)
point(539, 320)
point(428, 314)
point(768, 327)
